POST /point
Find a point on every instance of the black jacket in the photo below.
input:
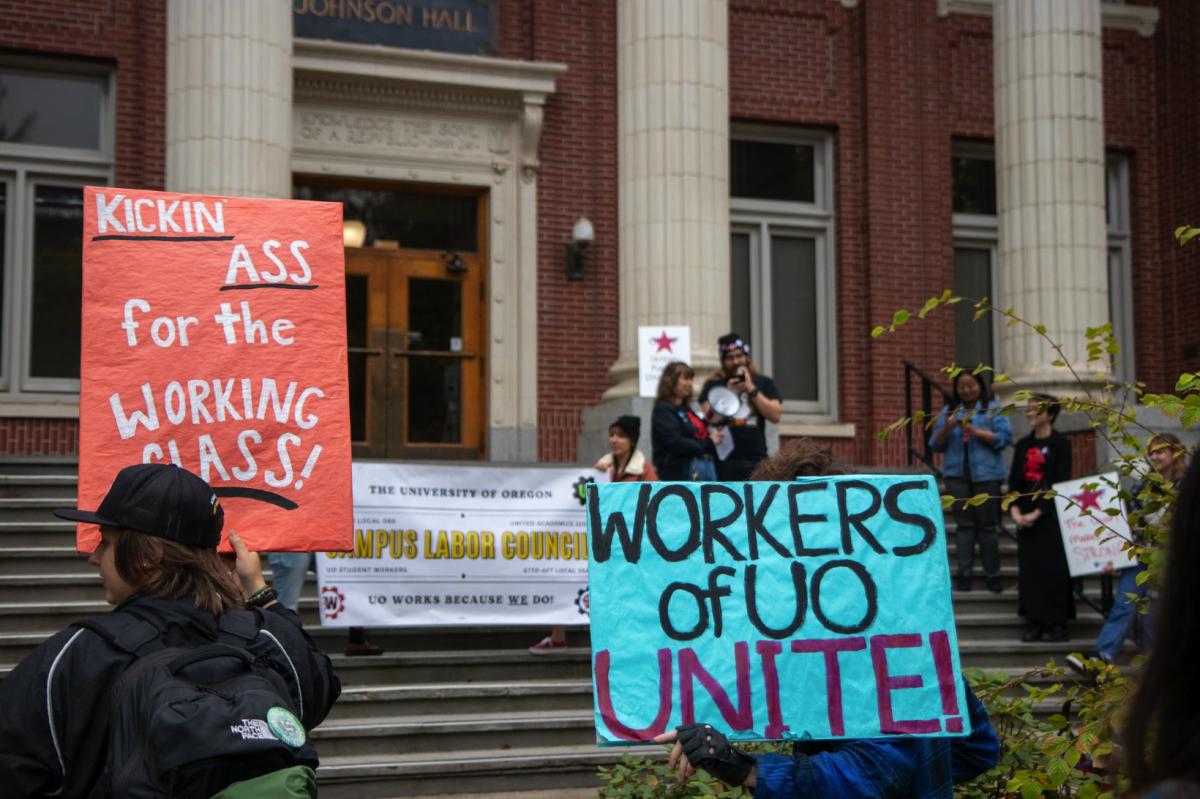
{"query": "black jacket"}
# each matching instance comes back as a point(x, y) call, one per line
point(54, 706)
point(673, 439)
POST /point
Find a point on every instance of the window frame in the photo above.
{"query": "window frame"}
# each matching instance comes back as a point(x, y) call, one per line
point(1120, 275)
point(765, 218)
point(980, 232)
point(22, 168)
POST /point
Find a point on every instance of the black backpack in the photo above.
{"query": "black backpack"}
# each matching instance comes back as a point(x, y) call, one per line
point(189, 722)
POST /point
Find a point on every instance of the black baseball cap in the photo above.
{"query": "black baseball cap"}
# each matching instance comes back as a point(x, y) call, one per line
point(158, 499)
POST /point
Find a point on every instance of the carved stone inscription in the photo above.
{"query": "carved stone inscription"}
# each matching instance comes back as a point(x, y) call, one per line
point(338, 130)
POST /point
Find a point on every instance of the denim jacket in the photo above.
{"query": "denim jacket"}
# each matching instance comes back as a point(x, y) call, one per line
point(986, 461)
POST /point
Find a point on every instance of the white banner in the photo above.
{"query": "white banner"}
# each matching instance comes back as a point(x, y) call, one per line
point(1088, 545)
point(443, 545)
point(657, 347)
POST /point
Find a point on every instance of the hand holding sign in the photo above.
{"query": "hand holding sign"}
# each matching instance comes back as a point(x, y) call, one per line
point(214, 337)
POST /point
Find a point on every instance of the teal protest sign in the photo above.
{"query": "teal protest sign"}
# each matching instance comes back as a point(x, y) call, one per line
point(819, 608)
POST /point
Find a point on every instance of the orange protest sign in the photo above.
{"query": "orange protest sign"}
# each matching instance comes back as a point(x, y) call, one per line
point(214, 337)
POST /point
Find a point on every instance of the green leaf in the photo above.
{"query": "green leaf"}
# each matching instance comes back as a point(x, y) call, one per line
point(1058, 721)
point(978, 499)
point(1041, 329)
point(1057, 771)
point(1031, 790)
point(1022, 395)
point(1058, 363)
point(1088, 791)
point(900, 317)
point(929, 305)
point(979, 313)
point(1190, 416)
point(948, 500)
point(877, 332)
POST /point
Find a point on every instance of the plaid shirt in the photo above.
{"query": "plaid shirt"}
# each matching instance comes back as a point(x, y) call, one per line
point(920, 768)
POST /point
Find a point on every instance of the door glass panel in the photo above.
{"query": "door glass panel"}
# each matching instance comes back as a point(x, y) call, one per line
point(434, 386)
point(57, 281)
point(739, 287)
point(434, 314)
point(434, 397)
point(794, 317)
point(356, 336)
point(51, 110)
point(973, 340)
point(405, 219)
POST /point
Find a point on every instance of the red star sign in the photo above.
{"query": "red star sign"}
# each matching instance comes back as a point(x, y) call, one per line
point(664, 342)
point(1089, 499)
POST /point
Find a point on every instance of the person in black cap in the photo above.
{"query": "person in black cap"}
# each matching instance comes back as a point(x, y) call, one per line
point(159, 530)
point(737, 373)
point(624, 463)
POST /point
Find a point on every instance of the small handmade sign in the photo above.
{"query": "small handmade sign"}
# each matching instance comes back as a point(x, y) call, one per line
point(1091, 536)
point(819, 608)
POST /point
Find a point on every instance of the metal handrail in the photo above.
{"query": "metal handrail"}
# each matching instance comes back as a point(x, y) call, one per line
point(928, 384)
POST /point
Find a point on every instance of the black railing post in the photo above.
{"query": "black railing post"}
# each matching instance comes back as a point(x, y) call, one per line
point(908, 428)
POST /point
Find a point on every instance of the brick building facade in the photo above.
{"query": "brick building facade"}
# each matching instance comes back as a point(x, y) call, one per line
point(896, 88)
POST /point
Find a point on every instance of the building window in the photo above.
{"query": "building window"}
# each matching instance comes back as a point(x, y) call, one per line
point(973, 192)
point(1120, 264)
point(55, 138)
point(782, 286)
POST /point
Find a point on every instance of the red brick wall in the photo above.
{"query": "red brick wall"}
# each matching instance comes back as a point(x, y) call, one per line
point(130, 35)
point(577, 322)
point(1168, 304)
point(39, 437)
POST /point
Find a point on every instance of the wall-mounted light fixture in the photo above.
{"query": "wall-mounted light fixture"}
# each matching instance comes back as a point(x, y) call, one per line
point(354, 233)
point(582, 235)
point(454, 264)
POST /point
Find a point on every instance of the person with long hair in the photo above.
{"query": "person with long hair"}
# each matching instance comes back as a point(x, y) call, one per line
point(972, 434)
point(683, 445)
point(624, 463)
point(1167, 458)
point(158, 563)
point(1161, 736)
point(1040, 460)
point(916, 767)
point(737, 373)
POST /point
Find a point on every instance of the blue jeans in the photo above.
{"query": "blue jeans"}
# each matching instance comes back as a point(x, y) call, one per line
point(1120, 619)
point(703, 470)
point(288, 572)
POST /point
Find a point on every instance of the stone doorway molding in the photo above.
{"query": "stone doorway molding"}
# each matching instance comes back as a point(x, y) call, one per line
point(362, 111)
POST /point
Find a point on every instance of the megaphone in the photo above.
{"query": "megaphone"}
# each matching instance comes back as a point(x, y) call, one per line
point(727, 404)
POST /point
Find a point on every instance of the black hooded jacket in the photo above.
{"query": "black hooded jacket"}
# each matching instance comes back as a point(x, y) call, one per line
point(55, 705)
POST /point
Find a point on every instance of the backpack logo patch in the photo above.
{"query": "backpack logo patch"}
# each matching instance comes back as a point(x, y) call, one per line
point(286, 727)
point(254, 730)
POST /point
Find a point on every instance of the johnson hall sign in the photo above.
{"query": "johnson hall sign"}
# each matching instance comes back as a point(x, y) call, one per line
point(452, 26)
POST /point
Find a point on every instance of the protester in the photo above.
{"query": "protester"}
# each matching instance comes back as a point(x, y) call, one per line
point(1161, 736)
point(159, 526)
point(920, 768)
point(683, 444)
point(973, 434)
point(1040, 460)
point(288, 572)
point(737, 373)
point(624, 463)
point(1168, 458)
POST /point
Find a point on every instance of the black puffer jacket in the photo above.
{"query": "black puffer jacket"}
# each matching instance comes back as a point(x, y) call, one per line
point(55, 705)
point(675, 442)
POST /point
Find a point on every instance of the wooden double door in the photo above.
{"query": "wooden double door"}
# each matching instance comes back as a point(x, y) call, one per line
point(416, 354)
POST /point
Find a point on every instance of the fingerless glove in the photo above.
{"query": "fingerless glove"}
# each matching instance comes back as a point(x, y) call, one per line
point(710, 750)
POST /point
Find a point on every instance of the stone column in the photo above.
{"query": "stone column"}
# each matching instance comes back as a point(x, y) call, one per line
point(229, 97)
point(1050, 183)
point(673, 176)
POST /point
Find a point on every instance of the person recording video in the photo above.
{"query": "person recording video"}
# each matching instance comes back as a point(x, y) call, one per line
point(758, 393)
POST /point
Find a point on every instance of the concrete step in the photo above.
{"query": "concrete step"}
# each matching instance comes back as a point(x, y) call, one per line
point(460, 666)
point(424, 774)
point(1008, 627)
point(43, 560)
point(437, 733)
point(38, 588)
point(481, 697)
point(53, 533)
point(34, 486)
